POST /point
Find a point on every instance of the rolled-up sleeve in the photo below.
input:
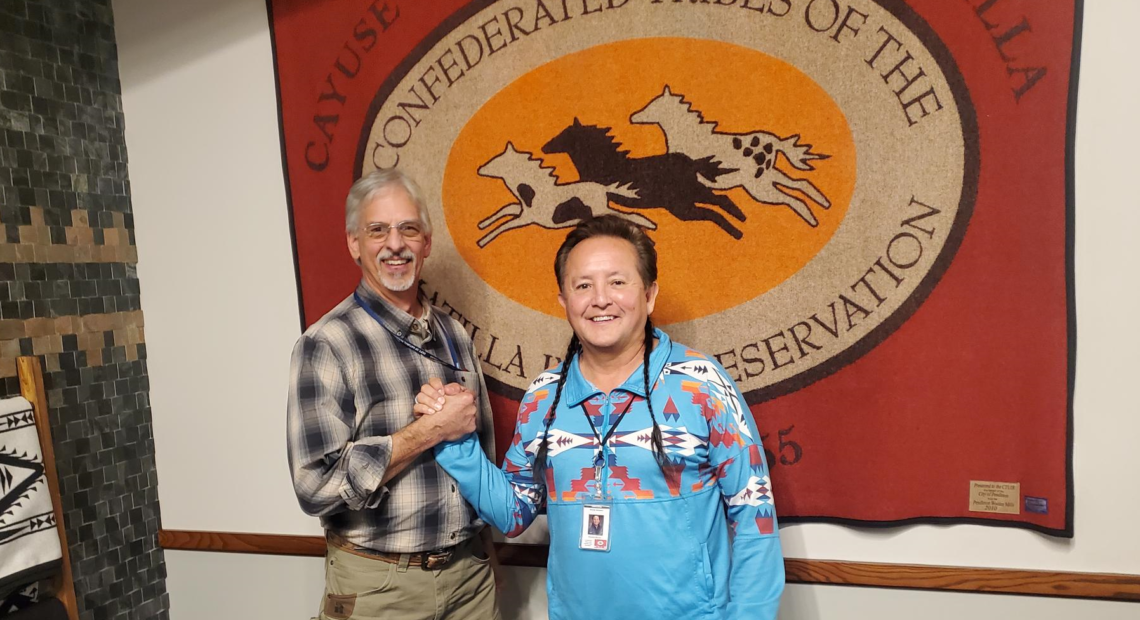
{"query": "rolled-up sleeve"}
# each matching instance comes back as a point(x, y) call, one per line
point(331, 473)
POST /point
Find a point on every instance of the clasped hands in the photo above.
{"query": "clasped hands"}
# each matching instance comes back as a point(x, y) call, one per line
point(451, 408)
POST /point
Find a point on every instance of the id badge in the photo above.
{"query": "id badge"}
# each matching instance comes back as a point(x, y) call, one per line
point(595, 527)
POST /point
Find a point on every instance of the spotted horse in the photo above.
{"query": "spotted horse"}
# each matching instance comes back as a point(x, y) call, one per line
point(752, 155)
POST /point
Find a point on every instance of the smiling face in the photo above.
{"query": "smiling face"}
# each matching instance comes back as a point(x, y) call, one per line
point(605, 300)
point(391, 265)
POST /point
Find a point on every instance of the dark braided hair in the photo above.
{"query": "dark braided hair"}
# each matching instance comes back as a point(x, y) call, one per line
point(618, 228)
point(658, 444)
point(540, 457)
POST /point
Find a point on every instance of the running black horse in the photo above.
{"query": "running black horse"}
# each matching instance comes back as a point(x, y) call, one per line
point(667, 181)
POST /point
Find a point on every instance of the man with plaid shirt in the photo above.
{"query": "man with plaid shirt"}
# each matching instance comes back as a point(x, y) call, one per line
point(402, 541)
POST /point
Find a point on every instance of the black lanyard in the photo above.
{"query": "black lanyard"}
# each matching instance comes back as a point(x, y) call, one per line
point(453, 365)
point(603, 440)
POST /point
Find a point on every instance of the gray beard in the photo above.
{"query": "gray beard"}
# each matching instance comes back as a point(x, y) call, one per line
point(397, 286)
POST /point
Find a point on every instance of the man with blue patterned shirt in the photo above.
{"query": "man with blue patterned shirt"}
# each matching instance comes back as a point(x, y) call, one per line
point(642, 451)
point(402, 541)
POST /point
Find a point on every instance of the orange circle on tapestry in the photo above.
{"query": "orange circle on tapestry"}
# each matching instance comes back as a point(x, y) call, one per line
point(741, 167)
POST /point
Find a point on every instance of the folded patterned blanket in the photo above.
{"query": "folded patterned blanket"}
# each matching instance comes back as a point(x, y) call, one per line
point(29, 542)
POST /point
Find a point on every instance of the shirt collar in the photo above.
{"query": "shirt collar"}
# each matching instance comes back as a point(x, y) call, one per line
point(577, 389)
point(392, 316)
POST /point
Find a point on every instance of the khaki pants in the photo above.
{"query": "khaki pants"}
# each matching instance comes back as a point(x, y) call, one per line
point(358, 587)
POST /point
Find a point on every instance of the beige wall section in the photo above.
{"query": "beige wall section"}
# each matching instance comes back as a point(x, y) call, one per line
point(221, 312)
point(216, 264)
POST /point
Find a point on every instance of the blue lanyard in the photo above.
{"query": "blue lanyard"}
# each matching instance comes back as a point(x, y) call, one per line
point(453, 365)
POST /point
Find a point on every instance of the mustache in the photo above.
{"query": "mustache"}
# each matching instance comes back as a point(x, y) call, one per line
point(387, 254)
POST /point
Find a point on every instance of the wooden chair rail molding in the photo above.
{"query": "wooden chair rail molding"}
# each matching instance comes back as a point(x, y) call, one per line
point(994, 580)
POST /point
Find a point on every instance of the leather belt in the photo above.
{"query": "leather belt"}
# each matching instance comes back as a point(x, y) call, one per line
point(426, 560)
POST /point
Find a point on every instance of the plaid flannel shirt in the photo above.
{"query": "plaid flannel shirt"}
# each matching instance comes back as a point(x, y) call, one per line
point(352, 386)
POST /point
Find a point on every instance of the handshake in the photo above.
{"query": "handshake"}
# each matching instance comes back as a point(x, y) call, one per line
point(448, 410)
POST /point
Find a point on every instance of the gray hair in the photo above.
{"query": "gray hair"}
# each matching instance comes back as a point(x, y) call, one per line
point(366, 187)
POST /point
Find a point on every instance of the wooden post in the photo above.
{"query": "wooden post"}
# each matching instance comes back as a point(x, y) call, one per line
point(32, 388)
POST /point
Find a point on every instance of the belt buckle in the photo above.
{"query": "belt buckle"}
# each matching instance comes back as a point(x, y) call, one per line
point(433, 560)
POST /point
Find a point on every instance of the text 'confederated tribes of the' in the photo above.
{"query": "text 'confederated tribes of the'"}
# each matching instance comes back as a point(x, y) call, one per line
point(846, 314)
point(492, 33)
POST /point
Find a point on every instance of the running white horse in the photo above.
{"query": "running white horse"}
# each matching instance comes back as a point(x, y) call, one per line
point(545, 202)
point(752, 155)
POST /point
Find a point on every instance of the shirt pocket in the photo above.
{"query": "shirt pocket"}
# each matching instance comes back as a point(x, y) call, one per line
point(706, 565)
point(467, 379)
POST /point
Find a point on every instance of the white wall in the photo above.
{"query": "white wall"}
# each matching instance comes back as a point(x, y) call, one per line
point(207, 190)
point(221, 317)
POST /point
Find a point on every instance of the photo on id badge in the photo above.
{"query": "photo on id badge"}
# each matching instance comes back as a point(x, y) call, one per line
point(595, 528)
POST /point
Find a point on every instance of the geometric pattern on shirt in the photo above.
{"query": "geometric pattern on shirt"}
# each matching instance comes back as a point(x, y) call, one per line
point(678, 441)
point(544, 378)
point(621, 484)
point(559, 441)
point(720, 387)
point(531, 492)
point(626, 485)
point(671, 412)
point(581, 487)
point(755, 493)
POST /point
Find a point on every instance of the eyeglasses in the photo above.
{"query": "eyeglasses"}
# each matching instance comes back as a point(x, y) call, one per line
point(410, 229)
